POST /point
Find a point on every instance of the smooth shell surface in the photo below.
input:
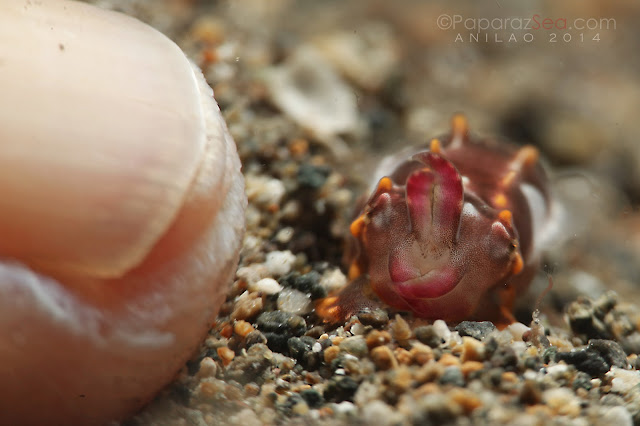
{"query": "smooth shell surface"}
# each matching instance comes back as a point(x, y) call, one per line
point(71, 74)
point(121, 203)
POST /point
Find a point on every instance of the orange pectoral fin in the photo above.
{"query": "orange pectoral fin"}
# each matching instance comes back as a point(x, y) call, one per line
point(355, 297)
point(506, 298)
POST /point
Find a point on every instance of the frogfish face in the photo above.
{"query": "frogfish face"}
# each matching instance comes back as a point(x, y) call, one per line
point(450, 232)
point(428, 250)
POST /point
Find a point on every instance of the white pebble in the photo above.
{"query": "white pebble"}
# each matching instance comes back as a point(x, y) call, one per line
point(442, 330)
point(294, 302)
point(333, 280)
point(263, 190)
point(345, 408)
point(379, 413)
point(280, 262)
point(253, 273)
point(284, 235)
point(517, 329)
point(557, 371)
point(623, 380)
point(367, 392)
point(246, 417)
point(563, 400)
point(519, 347)
point(618, 416)
point(208, 368)
point(266, 286)
point(357, 329)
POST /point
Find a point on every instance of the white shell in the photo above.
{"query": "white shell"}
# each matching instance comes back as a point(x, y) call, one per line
point(121, 212)
point(69, 74)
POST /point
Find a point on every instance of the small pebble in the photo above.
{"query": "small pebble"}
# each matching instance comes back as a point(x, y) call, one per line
point(246, 417)
point(401, 379)
point(357, 329)
point(247, 306)
point(466, 399)
point(309, 283)
point(300, 409)
point(377, 318)
point(400, 330)
point(284, 235)
point(597, 358)
point(452, 376)
point(226, 355)
point(299, 346)
point(208, 368)
point(421, 354)
point(623, 381)
point(430, 372)
point(448, 360)
point(345, 408)
point(283, 322)
point(340, 389)
point(442, 330)
point(472, 350)
point(428, 335)
point(378, 413)
point(618, 416)
point(312, 176)
point(517, 330)
point(356, 346)
point(279, 263)
point(333, 280)
point(475, 329)
point(383, 358)
point(331, 353)
point(263, 190)
point(266, 286)
point(377, 338)
point(254, 338)
point(436, 409)
point(253, 273)
point(313, 398)
point(557, 371)
point(242, 328)
point(530, 393)
point(403, 356)
point(294, 302)
point(471, 366)
point(563, 401)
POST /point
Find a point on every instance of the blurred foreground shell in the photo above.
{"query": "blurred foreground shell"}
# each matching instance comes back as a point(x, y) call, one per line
point(121, 212)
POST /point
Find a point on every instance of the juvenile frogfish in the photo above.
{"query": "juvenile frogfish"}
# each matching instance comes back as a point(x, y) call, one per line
point(453, 232)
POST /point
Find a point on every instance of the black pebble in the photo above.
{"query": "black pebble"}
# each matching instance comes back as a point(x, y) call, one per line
point(452, 376)
point(313, 398)
point(278, 321)
point(477, 330)
point(377, 318)
point(311, 176)
point(308, 283)
point(427, 334)
point(340, 389)
point(597, 358)
point(299, 346)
